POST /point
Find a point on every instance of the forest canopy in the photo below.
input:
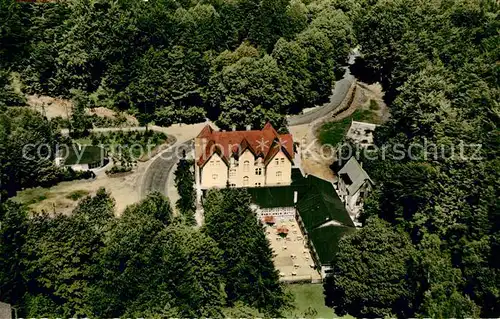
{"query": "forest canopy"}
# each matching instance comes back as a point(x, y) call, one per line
point(235, 62)
point(429, 245)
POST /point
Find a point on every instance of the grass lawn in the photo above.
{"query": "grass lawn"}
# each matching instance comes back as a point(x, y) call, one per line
point(32, 195)
point(309, 302)
point(333, 133)
point(83, 141)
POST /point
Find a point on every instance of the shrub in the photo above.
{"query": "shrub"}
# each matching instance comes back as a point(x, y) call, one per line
point(76, 195)
point(374, 105)
point(118, 169)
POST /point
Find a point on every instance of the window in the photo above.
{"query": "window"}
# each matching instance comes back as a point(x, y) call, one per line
point(245, 181)
point(246, 166)
point(232, 172)
point(233, 185)
point(212, 163)
point(257, 184)
point(215, 176)
point(278, 176)
point(276, 161)
point(217, 162)
point(282, 162)
point(258, 171)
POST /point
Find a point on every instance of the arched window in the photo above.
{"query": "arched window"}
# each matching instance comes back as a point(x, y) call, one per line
point(245, 181)
point(246, 166)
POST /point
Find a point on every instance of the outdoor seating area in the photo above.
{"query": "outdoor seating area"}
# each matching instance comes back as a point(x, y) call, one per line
point(291, 255)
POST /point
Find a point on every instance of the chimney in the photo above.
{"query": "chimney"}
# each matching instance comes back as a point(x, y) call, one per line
point(233, 128)
point(295, 195)
point(249, 127)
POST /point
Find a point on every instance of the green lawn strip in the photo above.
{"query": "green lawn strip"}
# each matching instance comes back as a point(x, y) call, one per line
point(333, 133)
point(32, 196)
point(309, 302)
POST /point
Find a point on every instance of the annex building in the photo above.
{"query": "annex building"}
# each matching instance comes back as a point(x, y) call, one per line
point(251, 158)
point(319, 212)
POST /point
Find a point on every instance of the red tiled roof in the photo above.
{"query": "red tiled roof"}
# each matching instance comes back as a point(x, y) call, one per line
point(265, 143)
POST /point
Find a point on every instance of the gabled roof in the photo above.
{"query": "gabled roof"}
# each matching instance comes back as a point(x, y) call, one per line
point(356, 174)
point(265, 143)
point(321, 204)
point(326, 241)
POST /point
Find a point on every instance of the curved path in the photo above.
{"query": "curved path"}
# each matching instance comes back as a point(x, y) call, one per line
point(337, 97)
point(339, 92)
point(155, 177)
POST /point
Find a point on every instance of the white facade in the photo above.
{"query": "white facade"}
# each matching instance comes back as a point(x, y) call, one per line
point(277, 212)
point(353, 186)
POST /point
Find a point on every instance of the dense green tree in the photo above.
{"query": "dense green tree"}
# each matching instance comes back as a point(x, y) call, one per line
point(369, 277)
point(12, 33)
point(28, 147)
point(128, 262)
point(44, 29)
point(320, 62)
point(440, 283)
point(184, 182)
point(80, 123)
point(250, 92)
point(60, 253)
point(166, 78)
point(8, 95)
point(153, 265)
point(240, 310)
point(247, 260)
point(13, 228)
point(268, 23)
point(293, 59)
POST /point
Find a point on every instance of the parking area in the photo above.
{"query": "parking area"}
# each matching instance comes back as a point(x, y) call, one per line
point(291, 256)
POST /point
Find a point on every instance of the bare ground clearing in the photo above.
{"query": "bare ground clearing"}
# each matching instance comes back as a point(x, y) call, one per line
point(306, 134)
point(126, 190)
point(53, 107)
